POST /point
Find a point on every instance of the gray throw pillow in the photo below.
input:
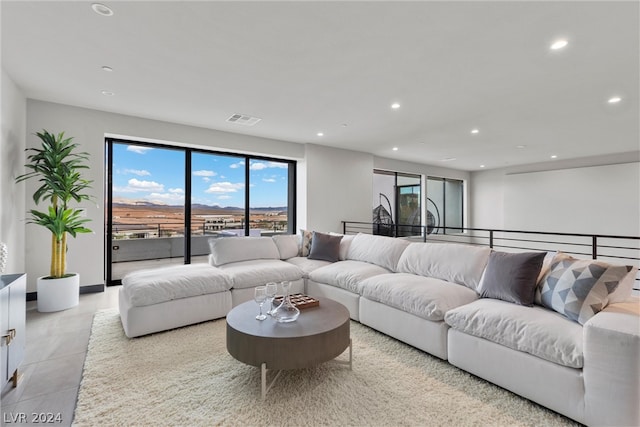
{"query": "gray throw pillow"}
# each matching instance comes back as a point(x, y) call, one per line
point(512, 277)
point(325, 247)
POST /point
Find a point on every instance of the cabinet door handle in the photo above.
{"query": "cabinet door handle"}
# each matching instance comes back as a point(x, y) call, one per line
point(10, 336)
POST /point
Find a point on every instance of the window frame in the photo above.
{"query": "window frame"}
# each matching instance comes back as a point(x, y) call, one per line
point(188, 152)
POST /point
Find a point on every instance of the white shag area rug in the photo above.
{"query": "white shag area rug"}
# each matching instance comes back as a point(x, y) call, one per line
point(186, 377)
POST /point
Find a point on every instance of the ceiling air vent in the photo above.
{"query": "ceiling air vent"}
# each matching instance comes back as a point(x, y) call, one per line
point(241, 119)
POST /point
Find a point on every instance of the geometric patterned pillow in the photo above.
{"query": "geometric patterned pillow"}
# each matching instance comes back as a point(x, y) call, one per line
point(579, 289)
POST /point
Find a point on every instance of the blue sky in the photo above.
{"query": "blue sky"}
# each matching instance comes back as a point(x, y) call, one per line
point(157, 175)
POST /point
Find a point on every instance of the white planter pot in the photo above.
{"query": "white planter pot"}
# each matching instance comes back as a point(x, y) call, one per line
point(58, 294)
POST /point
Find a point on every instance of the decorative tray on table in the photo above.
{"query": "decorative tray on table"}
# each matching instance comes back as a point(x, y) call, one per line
point(299, 300)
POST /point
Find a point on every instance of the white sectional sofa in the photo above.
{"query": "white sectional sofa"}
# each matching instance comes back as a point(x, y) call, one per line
point(466, 304)
point(159, 299)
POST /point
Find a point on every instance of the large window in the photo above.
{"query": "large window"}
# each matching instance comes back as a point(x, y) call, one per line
point(158, 194)
point(397, 201)
point(444, 205)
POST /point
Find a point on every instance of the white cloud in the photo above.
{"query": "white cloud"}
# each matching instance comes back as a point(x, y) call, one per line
point(140, 172)
point(176, 191)
point(258, 166)
point(224, 187)
point(240, 164)
point(136, 185)
point(269, 180)
point(138, 149)
point(225, 197)
point(204, 173)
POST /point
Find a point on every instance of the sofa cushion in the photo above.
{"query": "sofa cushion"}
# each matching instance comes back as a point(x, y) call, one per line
point(247, 274)
point(461, 264)
point(156, 285)
point(424, 297)
point(325, 247)
point(225, 250)
point(305, 242)
point(307, 265)
point(380, 250)
point(534, 330)
point(580, 288)
point(512, 277)
point(287, 245)
point(345, 244)
point(346, 274)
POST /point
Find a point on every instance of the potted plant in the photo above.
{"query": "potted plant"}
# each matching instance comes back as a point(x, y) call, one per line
point(57, 168)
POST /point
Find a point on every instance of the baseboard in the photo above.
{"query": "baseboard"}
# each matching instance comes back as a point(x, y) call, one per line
point(90, 289)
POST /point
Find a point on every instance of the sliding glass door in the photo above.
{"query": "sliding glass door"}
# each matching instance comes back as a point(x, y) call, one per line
point(158, 194)
point(444, 205)
point(218, 193)
point(397, 204)
point(147, 205)
point(408, 199)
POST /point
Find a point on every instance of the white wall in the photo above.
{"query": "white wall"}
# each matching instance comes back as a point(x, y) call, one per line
point(88, 127)
point(486, 199)
point(338, 187)
point(12, 196)
point(333, 184)
point(602, 199)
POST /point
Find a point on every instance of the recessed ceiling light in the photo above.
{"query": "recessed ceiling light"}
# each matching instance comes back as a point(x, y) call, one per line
point(481, 166)
point(474, 131)
point(101, 9)
point(107, 68)
point(395, 148)
point(614, 100)
point(344, 125)
point(520, 146)
point(554, 156)
point(395, 105)
point(448, 159)
point(320, 134)
point(559, 44)
point(107, 93)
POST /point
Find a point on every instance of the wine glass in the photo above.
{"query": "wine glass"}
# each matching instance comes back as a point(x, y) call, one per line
point(272, 289)
point(260, 296)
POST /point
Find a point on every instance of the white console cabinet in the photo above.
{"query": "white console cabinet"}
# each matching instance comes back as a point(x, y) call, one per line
point(13, 288)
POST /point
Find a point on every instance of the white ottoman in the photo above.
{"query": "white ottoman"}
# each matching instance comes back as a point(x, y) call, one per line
point(164, 298)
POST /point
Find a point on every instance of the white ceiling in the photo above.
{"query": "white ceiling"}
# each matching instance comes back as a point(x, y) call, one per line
point(336, 67)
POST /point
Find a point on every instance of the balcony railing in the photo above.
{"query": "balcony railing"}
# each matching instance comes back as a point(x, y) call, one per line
point(614, 249)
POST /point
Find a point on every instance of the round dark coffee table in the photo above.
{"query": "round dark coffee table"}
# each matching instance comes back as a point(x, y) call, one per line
point(320, 334)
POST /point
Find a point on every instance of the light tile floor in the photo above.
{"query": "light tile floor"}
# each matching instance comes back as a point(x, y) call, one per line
point(52, 368)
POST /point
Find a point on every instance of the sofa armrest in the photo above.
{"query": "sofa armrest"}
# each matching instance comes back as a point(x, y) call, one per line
point(612, 365)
